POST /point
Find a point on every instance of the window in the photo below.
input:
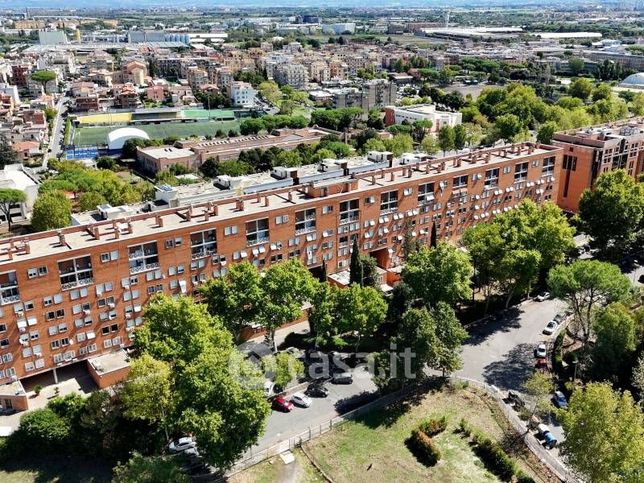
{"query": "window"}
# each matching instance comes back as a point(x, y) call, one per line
point(174, 242)
point(109, 256)
point(143, 257)
point(231, 230)
point(281, 219)
point(3, 327)
point(520, 171)
point(4, 343)
point(492, 177)
point(425, 193)
point(75, 272)
point(388, 201)
point(257, 231)
point(42, 271)
point(9, 292)
point(203, 243)
point(570, 162)
point(548, 166)
point(304, 221)
point(327, 209)
point(349, 211)
point(459, 181)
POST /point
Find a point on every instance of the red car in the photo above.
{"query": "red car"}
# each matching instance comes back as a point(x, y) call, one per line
point(541, 364)
point(281, 404)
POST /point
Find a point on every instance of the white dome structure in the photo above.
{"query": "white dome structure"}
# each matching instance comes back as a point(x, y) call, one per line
point(116, 139)
point(634, 81)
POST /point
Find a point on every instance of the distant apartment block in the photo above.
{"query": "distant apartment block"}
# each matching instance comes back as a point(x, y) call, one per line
point(587, 153)
point(242, 94)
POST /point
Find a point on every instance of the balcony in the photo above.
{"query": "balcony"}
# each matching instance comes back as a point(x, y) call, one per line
point(78, 283)
point(144, 268)
point(256, 240)
point(349, 219)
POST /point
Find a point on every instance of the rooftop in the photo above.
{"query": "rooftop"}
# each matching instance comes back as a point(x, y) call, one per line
point(110, 362)
point(235, 197)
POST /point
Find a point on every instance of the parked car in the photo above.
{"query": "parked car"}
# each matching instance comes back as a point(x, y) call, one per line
point(641, 279)
point(316, 390)
point(541, 351)
point(559, 400)
point(7, 411)
point(281, 404)
point(269, 388)
point(515, 399)
point(182, 445)
point(541, 364)
point(302, 400)
point(342, 378)
point(549, 440)
point(550, 328)
point(543, 296)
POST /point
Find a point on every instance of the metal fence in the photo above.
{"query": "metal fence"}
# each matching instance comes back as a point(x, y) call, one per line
point(544, 456)
point(252, 457)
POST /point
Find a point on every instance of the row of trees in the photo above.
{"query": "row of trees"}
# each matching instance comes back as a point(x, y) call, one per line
point(268, 123)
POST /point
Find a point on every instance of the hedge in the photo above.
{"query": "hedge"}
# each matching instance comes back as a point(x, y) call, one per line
point(424, 448)
point(433, 427)
point(494, 457)
point(556, 351)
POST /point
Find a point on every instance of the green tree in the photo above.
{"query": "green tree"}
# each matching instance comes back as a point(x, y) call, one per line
point(286, 286)
point(604, 434)
point(399, 144)
point(539, 387)
point(439, 275)
point(450, 335)
point(7, 154)
point(289, 159)
point(374, 144)
point(282, 368)
point(8, 198)
point(147, 393)
point(546, 132)
point(360, 309)
point(581, 88)
point(150, 469)
point(602, 91)
point(235, 298)
point(616, 341)
point(584, 285)
point(446, 138)
point(576, 65)
point(43, 429)
point(43, 77)
point(355, 265)
point(637, 104)
point(90, 200)
point(617, 193)
point(322, 313)
point(51, 210)
point(192, 331)
point(508, 127)
point(429, 144)
point(637, 379)
point(460, 136)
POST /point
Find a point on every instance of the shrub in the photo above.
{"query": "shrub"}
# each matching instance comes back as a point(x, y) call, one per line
point(433, 426)
point(43, 429)
point(424, 448)
point(464, 427)
point(494, 458)
point(523, 478)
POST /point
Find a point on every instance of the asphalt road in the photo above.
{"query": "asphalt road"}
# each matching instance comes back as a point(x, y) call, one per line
point(57, 131)
point(499, 353)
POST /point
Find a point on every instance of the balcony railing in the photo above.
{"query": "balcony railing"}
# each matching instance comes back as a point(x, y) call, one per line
point(78, 283)
point(145, 267)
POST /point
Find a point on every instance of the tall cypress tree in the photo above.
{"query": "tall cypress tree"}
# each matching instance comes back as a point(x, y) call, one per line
point(434, 238)
point(355, 269)
point(323, 274)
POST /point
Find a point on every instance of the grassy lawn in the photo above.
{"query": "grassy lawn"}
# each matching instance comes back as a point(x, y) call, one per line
point(272, 470)
point(92, 136)
point(40, 469)
point(373, 446)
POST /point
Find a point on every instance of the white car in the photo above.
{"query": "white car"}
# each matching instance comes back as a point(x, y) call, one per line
point(541, 351)
point(183, 444)
point(550, 328)
point(302, 400)
point(543, 296)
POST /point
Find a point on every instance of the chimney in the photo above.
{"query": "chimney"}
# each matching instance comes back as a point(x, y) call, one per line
point(530, 148)
point(206, 214)
point(61, 237)
point(27, 246)
point(373, 179)
point(9, 253)
point(382, 174)
point(129, 226)
point(115, 228)
point(290, 196)
point(159, 221)
point(487, 158)
point(265, 200)
point(410, 172)
point(428, 167)
point(215, 210)
point(392, 176)
point(239, 205)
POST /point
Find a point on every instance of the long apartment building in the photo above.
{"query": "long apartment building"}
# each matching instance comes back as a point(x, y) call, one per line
point(78, 292)
point(587, 153)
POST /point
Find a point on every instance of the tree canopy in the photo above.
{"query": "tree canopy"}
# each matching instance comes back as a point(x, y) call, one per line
point(52, 209)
